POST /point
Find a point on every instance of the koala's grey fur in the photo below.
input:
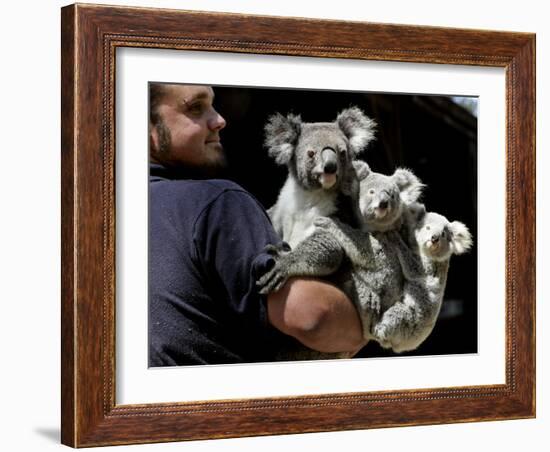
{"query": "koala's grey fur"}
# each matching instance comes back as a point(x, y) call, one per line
point(406, 324)
point(320, 173)
point(364, 262)
point(382, 198)
point(324, 254)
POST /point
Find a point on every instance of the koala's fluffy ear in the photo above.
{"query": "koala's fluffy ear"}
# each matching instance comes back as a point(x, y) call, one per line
point(409, 185)
point(461, 240)
point(357, 127)
point(281, 136)
point(350, 183)
point(416, 212)
point(362, 170)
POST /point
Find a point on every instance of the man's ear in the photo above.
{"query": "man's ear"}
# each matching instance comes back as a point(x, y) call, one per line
point(461, 240)
point(281, 136)
point(154, 141)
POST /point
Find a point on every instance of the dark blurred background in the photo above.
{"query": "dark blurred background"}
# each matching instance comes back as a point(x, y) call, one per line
point(434, 136)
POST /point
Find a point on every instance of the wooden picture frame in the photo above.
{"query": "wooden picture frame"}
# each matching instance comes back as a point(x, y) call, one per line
point(90, 36)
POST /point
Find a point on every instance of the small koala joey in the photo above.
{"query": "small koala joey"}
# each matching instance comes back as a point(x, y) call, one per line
point(383, 198)
point(407, 323)
point(319, 158)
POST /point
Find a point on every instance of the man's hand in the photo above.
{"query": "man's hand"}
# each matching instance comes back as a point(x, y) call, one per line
point(317, 314)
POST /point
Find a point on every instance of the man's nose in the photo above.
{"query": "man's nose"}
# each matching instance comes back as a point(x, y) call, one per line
point(435, 238)
point(216, 122)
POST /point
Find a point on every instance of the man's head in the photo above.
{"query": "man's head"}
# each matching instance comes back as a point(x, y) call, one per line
point(184, 128)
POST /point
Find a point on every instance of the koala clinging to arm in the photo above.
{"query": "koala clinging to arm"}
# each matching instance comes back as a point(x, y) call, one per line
point(376, 267)
point(320, 254)
point(363, 263)
point(406, 324)
point(319, 160)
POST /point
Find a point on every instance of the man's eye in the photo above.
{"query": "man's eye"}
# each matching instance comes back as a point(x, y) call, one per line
point(196, 108)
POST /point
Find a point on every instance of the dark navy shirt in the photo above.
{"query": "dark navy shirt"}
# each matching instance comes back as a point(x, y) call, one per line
point(206, 241)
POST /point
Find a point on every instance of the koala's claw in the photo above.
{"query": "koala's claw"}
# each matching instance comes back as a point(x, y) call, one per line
point(276, 250)
point(272, 250)
point(272, 281)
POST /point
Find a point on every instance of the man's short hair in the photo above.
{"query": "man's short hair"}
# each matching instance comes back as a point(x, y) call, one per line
point(156, 91)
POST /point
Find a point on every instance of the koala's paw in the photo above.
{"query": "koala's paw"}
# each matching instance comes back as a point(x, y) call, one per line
point(381, 334)
point(273, 280)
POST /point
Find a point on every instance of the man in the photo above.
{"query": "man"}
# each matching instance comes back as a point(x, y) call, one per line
point(206, 242)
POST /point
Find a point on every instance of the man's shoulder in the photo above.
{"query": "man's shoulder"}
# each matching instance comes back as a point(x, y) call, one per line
point(197, 194)
point(222, 185)
point(166, 182)
point(207, 187)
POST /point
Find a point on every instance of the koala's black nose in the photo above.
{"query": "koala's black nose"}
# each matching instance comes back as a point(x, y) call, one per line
point(330, 168)
point(383, 205)
point(435, 238)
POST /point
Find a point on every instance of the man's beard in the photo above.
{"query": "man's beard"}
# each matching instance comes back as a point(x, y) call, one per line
point(165, 138)
point(212, 168)
point(215, 167)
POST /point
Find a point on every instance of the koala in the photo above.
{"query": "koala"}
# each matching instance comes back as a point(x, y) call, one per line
point(383, 199)
point(406, 324)
point(364, 261)
point(320, 173)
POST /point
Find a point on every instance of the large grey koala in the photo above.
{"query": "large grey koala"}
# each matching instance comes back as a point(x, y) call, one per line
point(319, 158)
point(431, 237)
point(364, 262)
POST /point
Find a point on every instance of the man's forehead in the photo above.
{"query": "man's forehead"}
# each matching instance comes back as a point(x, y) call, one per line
point(190, 92)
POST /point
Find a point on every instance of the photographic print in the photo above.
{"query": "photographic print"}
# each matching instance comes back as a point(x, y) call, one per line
point(285, 114)
point(371, 193)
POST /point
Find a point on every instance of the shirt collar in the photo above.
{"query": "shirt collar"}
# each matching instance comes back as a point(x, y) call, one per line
point(159, 172)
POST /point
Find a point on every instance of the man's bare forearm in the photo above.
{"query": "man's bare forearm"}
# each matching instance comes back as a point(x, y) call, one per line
point(317, 314)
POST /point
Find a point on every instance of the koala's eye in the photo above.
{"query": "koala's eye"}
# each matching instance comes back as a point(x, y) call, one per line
point(310, 153)
point(371, 191)
point(428, 227)
point(342, 151)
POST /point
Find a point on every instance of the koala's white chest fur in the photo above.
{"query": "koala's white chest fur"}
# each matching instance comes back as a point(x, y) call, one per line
point(296, 209)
